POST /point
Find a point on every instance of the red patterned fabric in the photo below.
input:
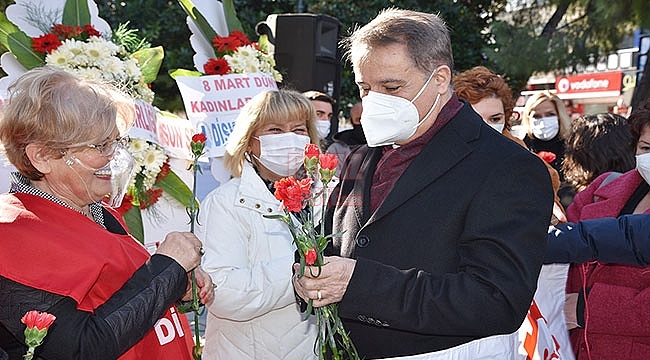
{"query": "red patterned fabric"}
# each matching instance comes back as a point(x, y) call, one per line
point(91, 265)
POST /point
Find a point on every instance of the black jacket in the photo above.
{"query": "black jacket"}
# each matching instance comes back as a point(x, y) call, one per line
point(454, 251)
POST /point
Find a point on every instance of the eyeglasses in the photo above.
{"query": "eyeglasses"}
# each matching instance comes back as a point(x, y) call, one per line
point(108, 148)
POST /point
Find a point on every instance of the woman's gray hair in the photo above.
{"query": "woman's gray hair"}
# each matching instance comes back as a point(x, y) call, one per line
point(59, 110)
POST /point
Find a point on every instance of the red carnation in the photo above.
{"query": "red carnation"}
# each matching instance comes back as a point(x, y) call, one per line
point(547, 156)
point(39, 320)
point(45, 44)
point(199, 138)
point(311, 256)
point(216, 67)
point(198, 144)
point(292, 192)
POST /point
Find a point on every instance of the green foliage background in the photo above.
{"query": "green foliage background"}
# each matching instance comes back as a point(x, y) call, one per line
point(516, 44)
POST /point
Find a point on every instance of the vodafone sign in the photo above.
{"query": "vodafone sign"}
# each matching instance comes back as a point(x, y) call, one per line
point(596, 84)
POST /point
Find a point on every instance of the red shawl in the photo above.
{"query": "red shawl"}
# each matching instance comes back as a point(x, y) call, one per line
point(56, 249)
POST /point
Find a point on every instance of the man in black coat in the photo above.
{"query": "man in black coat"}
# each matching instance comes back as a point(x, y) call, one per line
point(444, 220)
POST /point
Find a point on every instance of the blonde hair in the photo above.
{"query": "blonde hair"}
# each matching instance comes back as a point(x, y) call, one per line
point(562, 115)
point(277, 106)
point(59, 110)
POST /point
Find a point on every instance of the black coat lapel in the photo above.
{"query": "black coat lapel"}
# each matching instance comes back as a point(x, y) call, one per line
point(444, 151)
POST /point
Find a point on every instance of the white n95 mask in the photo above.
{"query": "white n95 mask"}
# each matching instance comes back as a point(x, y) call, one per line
point(387, 119)
point(643, 166)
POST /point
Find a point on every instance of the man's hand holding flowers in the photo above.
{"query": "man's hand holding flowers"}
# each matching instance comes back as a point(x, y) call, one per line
point(332, 281)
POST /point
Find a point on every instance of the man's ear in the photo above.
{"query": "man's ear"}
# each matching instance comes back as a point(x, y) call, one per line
point(39, 157)
point(443, 78)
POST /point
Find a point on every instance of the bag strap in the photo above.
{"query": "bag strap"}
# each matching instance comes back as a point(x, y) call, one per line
point(613, 175)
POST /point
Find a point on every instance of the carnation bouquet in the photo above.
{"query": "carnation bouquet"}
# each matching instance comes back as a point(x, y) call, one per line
point(305, 199)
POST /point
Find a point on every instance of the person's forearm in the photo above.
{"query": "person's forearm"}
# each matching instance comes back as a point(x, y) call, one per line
point(121, 321)
point(623, 240)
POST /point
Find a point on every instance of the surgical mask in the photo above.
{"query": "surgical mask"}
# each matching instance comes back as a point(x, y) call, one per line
point(643, 166)
point(387, 119)
point(323, 128)
point(545, 128)
point(498, 127)
point(121, 169)
point(282, 153)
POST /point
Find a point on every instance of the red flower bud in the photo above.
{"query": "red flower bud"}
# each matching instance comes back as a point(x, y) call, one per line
point(312, 151)
point(328, 161)
point(311, 256)
point(199, 138)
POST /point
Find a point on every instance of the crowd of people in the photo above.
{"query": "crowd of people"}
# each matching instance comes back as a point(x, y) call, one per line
point(455, 238)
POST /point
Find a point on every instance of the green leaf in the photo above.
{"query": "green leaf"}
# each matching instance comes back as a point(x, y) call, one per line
point(204, 27)
point(76, 12)
point(231, 16)
point(19, 44)
point(183, 72)
point(133, 219)
point(149, 61)
point(264, 43)
point(176, 188)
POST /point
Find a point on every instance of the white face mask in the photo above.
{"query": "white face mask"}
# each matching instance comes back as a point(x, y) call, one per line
point(643, 166)
point(387, 119)
point(498, 127)
point(545, 128)
point(282, 153)
point(323, 128)
point(121, 169)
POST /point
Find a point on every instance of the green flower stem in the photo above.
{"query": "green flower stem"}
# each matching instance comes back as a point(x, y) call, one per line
point(192, 212)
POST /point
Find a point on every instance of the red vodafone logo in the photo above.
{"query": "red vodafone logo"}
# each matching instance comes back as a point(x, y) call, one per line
point(596, 82)
point(563, 85)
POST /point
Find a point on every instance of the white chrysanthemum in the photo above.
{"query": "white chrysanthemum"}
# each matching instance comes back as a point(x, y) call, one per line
point(59, 58)
point(131, 69)
point(87, 73)
point(100, 59)
point(154, 158)
point(136, 146)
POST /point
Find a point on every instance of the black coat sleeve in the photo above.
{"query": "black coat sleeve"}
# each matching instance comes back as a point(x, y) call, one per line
point(624, 240)
point(114, 327)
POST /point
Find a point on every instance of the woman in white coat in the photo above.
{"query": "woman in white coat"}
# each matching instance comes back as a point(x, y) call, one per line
point(249, 256)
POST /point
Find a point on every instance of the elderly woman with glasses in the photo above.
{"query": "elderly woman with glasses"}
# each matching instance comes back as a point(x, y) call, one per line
point(64, 250)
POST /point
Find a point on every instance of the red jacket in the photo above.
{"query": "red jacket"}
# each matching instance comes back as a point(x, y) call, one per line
point(616, 311)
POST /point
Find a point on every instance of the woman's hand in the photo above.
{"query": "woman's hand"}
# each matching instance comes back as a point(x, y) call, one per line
point(184, 247)
point(329, 286)
point(205, 287)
